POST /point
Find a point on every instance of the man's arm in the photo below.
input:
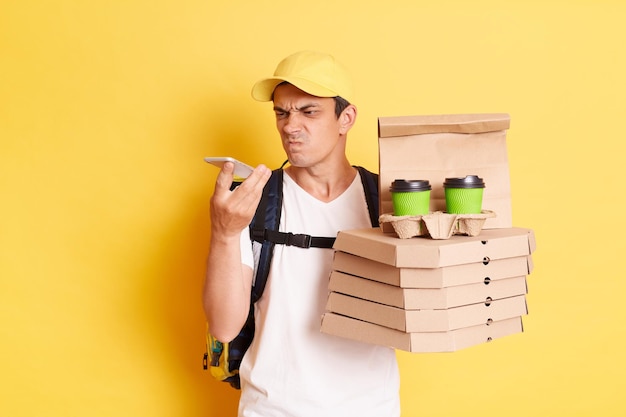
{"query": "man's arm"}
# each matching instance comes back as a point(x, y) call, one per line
point(226, 295)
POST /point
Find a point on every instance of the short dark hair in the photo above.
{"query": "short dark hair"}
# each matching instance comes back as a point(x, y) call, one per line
point(340, 105)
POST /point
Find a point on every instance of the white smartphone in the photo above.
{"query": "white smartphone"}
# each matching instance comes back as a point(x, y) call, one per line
point(241, 170)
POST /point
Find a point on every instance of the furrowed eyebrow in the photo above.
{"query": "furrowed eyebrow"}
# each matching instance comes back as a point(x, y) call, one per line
point(299, 109)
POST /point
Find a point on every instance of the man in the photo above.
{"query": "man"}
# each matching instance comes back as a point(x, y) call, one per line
point(291, 368)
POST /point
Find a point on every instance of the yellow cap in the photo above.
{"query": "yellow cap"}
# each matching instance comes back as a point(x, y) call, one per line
point(314, 73)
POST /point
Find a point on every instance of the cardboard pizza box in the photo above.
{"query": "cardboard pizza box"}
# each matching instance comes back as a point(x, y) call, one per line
point(426, 298)
point(449, 276)
point(373, 244)
point(449, 341)
point(439, 320)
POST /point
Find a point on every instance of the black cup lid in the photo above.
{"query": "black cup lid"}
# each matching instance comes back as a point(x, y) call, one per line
point(469, 181)
point(401, 185)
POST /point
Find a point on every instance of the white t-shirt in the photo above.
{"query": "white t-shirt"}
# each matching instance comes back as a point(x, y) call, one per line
point(291, 368)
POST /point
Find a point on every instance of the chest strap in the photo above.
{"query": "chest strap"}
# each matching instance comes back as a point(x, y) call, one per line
point(291, 239)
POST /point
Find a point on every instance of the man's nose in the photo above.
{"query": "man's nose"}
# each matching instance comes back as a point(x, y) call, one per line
point(292, 123)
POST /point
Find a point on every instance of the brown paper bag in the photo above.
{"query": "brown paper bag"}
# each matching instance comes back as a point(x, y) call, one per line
point(437, 147)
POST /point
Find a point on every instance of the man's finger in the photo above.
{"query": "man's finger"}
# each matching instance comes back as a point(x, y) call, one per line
point(225, 177)
point(249, 192)
point(259, 176)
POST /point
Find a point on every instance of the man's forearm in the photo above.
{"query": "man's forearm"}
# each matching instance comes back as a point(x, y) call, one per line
point(227, 288)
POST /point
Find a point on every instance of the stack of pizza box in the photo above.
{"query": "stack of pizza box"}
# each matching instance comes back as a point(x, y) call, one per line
point(424, 295)
point(434, 295)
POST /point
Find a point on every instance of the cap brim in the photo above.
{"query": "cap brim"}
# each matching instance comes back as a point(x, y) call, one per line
point(264, 89)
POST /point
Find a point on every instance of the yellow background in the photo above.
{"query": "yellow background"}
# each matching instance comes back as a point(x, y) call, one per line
point(107, 108)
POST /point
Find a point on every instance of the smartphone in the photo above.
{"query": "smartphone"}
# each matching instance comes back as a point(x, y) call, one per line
point(241, 170)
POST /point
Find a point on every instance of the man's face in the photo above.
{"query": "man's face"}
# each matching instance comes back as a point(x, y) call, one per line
point(311, 133)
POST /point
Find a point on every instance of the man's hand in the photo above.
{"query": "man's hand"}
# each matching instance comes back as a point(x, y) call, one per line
point(232, 211)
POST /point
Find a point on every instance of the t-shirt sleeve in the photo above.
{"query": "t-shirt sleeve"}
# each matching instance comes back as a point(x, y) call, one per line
point(247, 257)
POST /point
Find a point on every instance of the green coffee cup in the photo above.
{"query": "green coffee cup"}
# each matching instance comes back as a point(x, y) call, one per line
point(410, 197)
point(464, 195)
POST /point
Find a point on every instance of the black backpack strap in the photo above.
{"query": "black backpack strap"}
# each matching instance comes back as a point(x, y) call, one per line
point(266, 221)
point(267, 233)
point(267, 217)
point(291, 239)
point(370, 185)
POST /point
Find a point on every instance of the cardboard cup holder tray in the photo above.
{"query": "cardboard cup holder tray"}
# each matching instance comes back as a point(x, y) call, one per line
point(437, 225)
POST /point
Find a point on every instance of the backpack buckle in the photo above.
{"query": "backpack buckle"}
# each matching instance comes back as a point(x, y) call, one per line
point(281, 238)
point(258, 235)
point(299, 240)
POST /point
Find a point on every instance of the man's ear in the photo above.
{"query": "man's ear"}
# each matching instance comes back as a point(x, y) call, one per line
point(347, 119)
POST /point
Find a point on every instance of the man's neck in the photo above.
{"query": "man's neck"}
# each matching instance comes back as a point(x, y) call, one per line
point(323, 184)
